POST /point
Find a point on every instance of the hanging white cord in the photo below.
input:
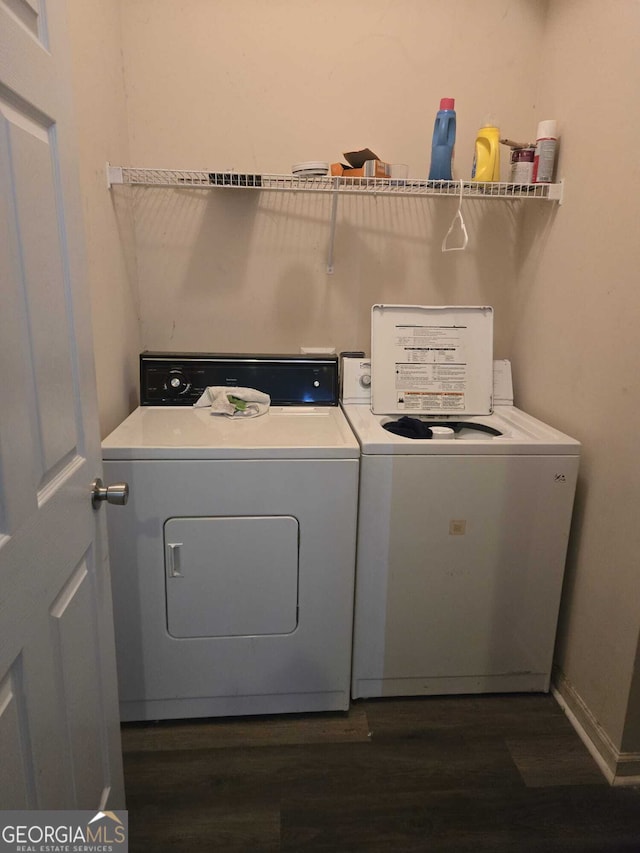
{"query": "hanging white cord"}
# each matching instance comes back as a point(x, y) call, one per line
point(463, 228)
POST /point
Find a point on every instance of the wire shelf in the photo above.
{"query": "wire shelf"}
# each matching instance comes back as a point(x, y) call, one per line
point(328, 184)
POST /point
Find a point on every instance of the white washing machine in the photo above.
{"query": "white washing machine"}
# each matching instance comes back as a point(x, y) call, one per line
point(462, 532)
point(233, 563)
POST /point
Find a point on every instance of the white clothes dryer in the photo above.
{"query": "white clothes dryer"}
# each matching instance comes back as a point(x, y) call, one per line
point(233, 564)
point(463, 531)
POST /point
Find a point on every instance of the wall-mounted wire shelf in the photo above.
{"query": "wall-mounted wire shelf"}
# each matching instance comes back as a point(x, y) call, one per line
point(328, 184)
point(334, 186)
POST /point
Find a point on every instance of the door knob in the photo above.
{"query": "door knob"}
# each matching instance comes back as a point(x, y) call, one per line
point(118, 493)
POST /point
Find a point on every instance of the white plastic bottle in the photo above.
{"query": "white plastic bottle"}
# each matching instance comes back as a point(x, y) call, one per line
point(545, 157)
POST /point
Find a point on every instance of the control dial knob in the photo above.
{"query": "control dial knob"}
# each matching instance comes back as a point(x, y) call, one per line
point(178, 383)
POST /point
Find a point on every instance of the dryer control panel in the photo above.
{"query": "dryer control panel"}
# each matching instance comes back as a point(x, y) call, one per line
point(179, 379)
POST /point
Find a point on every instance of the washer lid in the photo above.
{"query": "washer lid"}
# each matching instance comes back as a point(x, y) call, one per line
point(432, 359)
point(520, 435)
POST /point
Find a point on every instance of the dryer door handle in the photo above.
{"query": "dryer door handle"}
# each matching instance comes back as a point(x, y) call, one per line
point(173, 559)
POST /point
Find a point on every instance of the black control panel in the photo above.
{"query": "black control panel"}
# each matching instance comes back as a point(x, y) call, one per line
point(176, 379)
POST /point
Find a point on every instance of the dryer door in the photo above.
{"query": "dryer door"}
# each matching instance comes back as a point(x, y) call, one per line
point(231, 576)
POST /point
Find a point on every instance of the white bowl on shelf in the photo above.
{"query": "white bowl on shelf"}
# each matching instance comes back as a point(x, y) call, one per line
point(310, 169)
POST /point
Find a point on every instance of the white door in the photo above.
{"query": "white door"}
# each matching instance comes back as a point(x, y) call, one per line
point(59, 735)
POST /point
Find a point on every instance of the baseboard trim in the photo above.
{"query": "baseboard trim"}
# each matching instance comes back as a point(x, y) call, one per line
point(618, 768)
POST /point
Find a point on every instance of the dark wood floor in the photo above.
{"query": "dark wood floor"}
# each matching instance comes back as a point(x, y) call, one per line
point(493, 773)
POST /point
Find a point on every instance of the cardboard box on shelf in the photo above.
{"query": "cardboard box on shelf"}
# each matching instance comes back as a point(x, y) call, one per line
point(370, 169)
point(362, 164)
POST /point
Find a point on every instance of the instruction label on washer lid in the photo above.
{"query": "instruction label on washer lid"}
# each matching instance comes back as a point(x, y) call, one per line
point(430, 367)
point(431, 358)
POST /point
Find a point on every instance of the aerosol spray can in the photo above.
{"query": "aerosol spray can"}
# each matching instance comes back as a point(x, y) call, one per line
point(545, 156)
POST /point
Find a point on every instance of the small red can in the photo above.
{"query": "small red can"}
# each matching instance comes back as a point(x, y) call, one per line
point(522, 165)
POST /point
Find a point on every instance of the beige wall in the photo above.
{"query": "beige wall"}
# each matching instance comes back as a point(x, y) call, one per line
point(259, 86)
point(574, 345)
point(101, 121)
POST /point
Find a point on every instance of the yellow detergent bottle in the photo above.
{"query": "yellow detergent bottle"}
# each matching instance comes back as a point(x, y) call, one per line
point(486, 159)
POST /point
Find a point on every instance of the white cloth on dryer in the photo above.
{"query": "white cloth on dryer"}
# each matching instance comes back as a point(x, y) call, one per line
point(234, 402)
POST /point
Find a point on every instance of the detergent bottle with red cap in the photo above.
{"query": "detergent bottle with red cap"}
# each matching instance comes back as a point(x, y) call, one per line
point(444, 138)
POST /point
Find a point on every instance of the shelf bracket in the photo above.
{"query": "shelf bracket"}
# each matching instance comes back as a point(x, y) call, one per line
point(556, 191)
point(332, 228)
point(114, 175)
